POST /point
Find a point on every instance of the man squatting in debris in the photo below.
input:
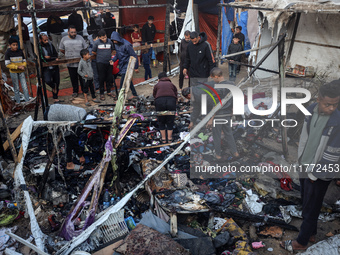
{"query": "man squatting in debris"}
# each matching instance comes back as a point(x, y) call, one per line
point(225, 112)
point(63, 112)
point(318, 153)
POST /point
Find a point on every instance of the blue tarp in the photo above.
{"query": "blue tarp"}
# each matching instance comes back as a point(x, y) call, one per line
point(243, 21)
point(227, 34)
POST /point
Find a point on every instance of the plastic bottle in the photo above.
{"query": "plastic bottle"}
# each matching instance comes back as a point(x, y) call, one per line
point(106, 199)
point(112, 202)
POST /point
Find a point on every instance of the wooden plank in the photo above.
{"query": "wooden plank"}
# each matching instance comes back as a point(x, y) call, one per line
point(14, 136)
point(76, 60)
point(8, 134)
point(29, 85)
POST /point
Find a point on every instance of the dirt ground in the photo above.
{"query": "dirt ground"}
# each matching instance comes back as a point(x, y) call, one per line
point(146, 90)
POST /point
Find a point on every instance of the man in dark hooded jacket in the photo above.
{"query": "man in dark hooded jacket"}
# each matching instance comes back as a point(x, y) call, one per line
point(124, 51)
point(234, 47)
point(199, 59)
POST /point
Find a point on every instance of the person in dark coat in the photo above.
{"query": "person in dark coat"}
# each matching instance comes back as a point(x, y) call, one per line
point(124, 50)
point(148, 31)
point(165, 94)
point(55, 27)
point(234, 47)
point(241, 36)
point(146, 55)
point(109, 23)
point(51, 74)
point(199, 58)
point(76, 20)
point(182, 54)
point(93, 27)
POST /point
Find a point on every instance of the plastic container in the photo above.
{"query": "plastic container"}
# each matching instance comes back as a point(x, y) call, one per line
point(130, 222)
point(106, 197)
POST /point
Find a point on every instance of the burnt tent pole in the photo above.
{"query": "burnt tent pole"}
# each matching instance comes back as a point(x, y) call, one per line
point(297, 21)
point(265, 57)
point(166, 37)
point(219, 32)
point(281, 51)
point(44, 104)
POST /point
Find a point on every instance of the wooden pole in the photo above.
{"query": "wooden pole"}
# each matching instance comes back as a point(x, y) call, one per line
point(219, 32)
point(23, 49)
point(8, 134)
point(166, 37)
point(38, 67)
point(48, 165)
point(196, 17)
point(297, 21)
point(281, 51)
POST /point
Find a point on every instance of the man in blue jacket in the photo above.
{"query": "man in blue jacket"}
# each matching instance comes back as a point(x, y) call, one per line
point(124, 51)
point(318, 154)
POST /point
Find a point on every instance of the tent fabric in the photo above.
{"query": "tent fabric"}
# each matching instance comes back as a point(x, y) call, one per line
point(242, 20)
point(208, 24)
point(40, 3)
point(6, 22)
point(130, 16)
point(7, 3)
point(227, 34)
point(189, 22)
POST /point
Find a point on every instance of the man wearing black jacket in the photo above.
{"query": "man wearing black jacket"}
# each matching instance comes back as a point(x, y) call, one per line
point(149, 31)
point(234, 47)
point(55, 27)
point(51, 73)
point(76, 20)
point(199, 58)
point(183, 53)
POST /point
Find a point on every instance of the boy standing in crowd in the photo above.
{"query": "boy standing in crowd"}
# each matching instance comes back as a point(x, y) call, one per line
point(15, 61)
point(102, 49)
point(136, 40)
point(234, 47)
point(146, 62)
point(149, 31)
point(86, 73)
point(92, 38)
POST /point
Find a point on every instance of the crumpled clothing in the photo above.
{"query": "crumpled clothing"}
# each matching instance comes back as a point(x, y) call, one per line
point(203, 137)
point(243, 248)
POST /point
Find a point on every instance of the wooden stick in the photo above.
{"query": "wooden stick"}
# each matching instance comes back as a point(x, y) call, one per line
point(48, 165)
point(29, 85)
point(14, 136)
point(8, 134)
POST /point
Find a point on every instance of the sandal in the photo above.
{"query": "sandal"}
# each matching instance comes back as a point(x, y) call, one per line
point(87, 104)
point(113, 96)
point(164, 141)
point(288, 246)
point(74, 95)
